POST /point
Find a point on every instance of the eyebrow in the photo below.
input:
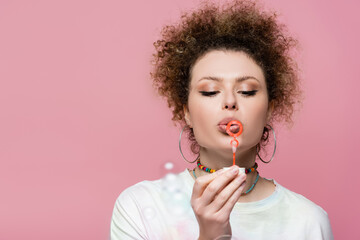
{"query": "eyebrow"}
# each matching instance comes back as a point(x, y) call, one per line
point(238, 79)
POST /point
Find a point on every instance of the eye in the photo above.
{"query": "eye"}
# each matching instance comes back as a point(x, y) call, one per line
point(209, 94)
point(248, 93)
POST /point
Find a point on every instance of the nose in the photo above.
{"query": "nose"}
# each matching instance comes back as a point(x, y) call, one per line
point(230, 102)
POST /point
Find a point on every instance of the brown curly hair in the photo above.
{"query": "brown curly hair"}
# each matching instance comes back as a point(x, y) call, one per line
point(241, 26)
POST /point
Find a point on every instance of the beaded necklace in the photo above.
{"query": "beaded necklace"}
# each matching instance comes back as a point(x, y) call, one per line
point(202, 167)
point(247, 170)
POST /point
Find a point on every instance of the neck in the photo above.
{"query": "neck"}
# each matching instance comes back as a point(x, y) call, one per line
point(217, 160)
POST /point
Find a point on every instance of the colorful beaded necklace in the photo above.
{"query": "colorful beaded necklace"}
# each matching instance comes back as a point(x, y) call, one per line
point(202, 167)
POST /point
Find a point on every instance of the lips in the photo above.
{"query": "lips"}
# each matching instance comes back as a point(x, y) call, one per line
point(223, 124)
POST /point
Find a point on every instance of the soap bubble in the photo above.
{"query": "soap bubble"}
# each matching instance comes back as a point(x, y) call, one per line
point(171, 183)
point(167, 167)
point(170, 177)
point(149, 213)
point(178, 203)
point(173, 195)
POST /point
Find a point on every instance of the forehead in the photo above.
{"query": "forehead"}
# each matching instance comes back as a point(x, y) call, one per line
point(226, 65)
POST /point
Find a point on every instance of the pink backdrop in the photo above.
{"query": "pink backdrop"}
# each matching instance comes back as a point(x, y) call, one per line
point(76, 95)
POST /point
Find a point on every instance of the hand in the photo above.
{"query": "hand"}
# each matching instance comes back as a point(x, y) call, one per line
point(213, 198)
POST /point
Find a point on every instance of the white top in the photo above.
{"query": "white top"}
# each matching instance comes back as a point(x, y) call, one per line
point(161, 209)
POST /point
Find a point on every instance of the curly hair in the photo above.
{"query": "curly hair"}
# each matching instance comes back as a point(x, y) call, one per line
point(240, 26)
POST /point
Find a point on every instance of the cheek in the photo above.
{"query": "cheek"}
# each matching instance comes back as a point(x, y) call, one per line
point(198, 113)
point(256, 119)
point(261, 112)
point(259, 119)
point(202, 119)
point(199, 109)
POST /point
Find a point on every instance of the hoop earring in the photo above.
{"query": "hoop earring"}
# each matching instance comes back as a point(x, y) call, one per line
point(181, 150)
point(272, 157)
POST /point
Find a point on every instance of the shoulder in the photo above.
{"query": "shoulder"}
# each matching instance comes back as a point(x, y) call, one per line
point(316, 218)
point(139, 192)
point(302, 203)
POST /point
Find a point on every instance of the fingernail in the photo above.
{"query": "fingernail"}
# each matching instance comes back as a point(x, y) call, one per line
point(235, 170)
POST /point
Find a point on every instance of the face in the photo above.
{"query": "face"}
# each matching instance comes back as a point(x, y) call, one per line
point(227, 85)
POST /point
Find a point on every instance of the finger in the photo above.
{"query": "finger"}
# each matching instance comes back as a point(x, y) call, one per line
point(223, 197)
point(229, 205)
point(218, 184)
point(202, 182)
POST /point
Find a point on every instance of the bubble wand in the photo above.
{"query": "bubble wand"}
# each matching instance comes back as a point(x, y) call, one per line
point(234, 142)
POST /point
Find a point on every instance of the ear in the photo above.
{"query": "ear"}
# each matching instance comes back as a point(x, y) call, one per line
point(270, 111)
point(187, 116)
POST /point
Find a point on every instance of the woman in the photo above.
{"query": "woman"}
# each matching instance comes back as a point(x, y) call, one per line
point(215, 66)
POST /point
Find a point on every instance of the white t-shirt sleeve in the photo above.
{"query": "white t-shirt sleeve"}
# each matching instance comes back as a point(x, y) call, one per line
point(318, 226)
point(126, 222)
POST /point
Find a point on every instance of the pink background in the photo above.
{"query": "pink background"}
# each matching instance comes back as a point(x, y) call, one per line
point(76, 96)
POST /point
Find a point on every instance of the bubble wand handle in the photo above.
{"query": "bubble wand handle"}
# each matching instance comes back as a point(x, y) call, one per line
point(234, 142)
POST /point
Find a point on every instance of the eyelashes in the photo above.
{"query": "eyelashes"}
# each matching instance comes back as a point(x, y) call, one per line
point(248, 93)
point(213, 93)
